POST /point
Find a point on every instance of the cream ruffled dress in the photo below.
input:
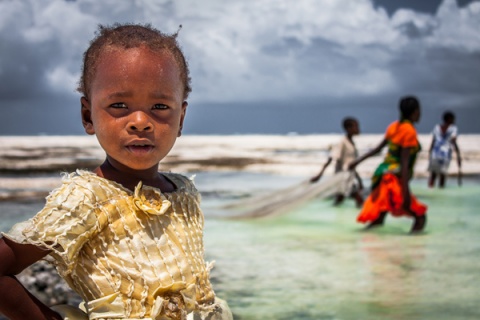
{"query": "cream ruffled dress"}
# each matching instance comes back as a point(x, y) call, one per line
point(129, 255)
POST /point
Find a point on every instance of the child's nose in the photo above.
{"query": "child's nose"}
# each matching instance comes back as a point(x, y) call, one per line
point(139, 121)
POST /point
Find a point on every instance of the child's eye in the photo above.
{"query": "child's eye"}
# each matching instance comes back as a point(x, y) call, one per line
point(119, 105)
point(160, 106)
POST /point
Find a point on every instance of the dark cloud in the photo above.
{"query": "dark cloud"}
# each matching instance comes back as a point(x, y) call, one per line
point(24, 66)
point(412, 31)
point(427, 6)
point(443, 71)
point(306, 60)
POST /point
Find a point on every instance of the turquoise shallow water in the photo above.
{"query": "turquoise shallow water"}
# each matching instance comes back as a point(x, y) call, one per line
point(316, 262)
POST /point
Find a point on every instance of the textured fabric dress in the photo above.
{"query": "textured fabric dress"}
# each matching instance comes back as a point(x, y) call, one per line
point(386, 195)
point(441, 154)
point(129, 255)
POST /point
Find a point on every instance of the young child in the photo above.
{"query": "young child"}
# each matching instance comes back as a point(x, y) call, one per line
point(390, 181)
point(444, 139)
point(344, 153)
point(127, 238)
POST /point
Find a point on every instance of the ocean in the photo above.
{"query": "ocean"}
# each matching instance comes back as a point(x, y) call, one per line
point(304, 116)
point(316, 262)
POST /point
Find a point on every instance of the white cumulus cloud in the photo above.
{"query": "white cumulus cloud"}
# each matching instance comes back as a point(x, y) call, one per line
point(250, 50)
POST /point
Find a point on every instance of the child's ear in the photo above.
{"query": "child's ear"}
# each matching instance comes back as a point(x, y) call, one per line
point(182, 117)
point(87, 116)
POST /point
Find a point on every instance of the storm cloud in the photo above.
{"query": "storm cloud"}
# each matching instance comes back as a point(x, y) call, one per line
point(247, 51)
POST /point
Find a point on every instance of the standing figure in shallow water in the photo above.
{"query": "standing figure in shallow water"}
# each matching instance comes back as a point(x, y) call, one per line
point(444, 140)
point(126, 237)
point(343, 153)
point(390, 181)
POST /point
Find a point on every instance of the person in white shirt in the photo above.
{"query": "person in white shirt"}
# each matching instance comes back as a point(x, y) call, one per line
point(444, 140)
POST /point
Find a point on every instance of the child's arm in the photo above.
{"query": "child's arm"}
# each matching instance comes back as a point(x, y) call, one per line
point(359, 179)
point(457, 150)
point(15, 301)
point(319, 175)
point(372, 152)
point(431, 147)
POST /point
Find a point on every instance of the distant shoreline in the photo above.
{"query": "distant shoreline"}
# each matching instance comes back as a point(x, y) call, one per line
point(30, 166)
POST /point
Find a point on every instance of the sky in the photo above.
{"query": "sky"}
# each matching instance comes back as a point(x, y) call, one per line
point(257, 66)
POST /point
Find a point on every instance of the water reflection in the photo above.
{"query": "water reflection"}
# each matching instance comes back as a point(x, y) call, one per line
point(394, 272)
point(317, 263)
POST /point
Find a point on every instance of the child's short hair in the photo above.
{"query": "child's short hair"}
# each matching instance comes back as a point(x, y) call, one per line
point(131, 36)
point(348, 122)
point(448, 116)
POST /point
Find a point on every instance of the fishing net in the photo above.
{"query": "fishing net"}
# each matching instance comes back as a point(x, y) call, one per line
point(285, 200)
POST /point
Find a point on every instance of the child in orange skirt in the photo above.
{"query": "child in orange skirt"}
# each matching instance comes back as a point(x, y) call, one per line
point(390, 182)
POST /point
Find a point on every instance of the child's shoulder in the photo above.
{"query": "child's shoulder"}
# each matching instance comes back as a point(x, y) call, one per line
point(96, 188)
point(88, 179)
point(84, 185)
point(79, 176)
point(181, 181)
point(391, 128)
point(400, 127)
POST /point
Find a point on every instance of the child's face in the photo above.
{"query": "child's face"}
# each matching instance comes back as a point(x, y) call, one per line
point(354, 129)
point(416, 115)
point(136, 106)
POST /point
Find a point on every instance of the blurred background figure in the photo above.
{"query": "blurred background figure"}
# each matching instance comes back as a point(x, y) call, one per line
point(344, 153)
point(390, 181)
point(444, 139)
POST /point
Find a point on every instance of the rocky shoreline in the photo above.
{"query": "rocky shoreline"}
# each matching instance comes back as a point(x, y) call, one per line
point(42, 280)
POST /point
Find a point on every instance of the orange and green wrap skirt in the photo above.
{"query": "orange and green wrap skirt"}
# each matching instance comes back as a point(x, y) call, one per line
point(388, 197)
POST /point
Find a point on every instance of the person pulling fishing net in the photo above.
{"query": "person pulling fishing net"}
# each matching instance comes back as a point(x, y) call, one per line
point(344, 153)
point(342, 183)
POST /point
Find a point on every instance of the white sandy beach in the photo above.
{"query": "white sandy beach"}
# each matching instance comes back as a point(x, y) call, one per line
point(278, 154)
point(23, 159)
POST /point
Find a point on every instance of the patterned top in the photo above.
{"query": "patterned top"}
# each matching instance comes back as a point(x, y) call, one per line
point(128, 254)
point(442, 145)
point(399, 134)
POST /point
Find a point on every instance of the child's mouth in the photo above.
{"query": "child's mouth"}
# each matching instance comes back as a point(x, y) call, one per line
point(140, 149)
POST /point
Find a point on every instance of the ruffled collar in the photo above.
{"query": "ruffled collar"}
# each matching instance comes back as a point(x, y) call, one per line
point(150, 200)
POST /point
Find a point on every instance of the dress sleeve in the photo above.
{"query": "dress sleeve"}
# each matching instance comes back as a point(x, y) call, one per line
point(402, 134)
point(454, 133)
point(391, 129)
point(182, 182)
point(68, 220)
point(408, 136)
